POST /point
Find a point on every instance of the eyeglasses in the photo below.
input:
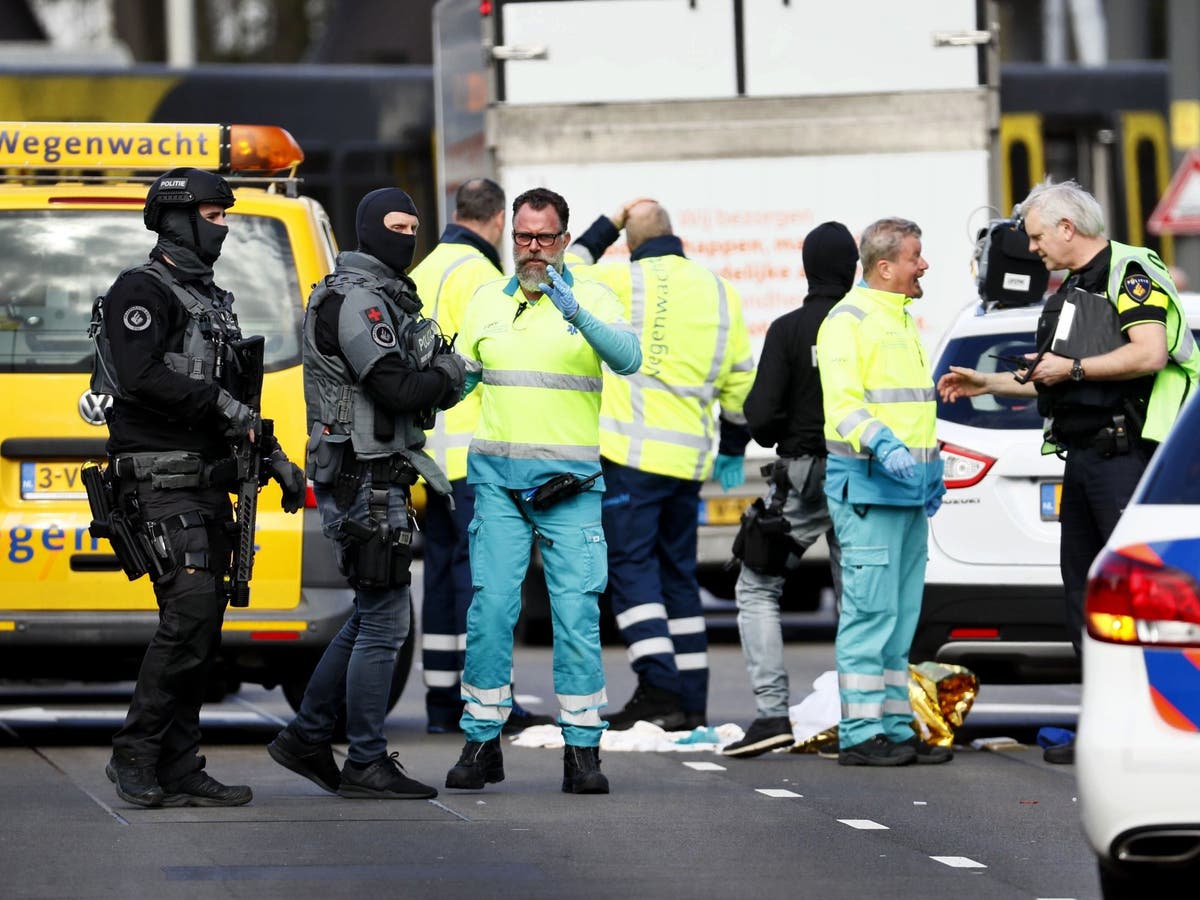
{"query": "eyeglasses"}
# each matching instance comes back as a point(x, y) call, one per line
point(525, 238)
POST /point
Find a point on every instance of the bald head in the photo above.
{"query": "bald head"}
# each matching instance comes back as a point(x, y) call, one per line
point(645, 220)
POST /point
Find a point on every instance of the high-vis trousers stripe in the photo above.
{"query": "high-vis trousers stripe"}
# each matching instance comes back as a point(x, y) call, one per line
point(576, 571)
point(650, 521)
point(883, 576)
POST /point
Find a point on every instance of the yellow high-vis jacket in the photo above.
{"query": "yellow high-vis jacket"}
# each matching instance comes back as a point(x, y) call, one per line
point(695, 351)
point(878, 394)
point(445, 281)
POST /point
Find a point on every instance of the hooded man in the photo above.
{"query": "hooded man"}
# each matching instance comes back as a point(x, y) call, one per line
point(784, 410)
point(374, 372)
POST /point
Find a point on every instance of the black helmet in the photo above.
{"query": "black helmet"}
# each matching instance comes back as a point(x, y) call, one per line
point(184, 188)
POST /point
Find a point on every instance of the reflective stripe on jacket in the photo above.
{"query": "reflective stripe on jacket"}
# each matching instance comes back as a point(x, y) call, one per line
point(695, 350)
point(878, 395)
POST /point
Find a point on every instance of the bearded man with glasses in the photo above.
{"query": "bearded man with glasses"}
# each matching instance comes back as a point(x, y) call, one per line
point(534, 346)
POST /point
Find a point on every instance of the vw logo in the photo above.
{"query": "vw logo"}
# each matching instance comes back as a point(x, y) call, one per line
point(92, 407)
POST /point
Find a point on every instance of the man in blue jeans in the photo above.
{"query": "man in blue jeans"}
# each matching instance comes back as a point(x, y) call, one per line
point(783, 410)
point(373, 374)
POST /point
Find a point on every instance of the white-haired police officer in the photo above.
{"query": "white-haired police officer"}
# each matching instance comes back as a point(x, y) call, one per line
point(374, 372)
point(165, 335)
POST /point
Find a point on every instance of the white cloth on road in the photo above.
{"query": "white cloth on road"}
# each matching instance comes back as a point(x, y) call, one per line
point(819, 711)
point(642, 737)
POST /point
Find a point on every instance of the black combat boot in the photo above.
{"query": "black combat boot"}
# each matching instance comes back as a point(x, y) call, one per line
point(480, 762)
point(136, 784)
point(581, 771)
point(650, 704)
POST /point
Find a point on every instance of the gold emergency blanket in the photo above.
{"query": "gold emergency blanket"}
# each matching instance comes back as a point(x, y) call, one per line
point(941, 697)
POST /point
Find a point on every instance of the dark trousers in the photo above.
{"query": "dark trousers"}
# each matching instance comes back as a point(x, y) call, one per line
point(650, 524)
point(162, 727)
point(1096, 490)
point(448, 593)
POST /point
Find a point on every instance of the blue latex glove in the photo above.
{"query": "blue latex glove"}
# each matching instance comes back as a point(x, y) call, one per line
point(932, 505)
point(560, 294)
point(729, 470)
point(900, 463)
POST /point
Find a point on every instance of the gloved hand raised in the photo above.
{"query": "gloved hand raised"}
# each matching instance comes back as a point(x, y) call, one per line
point(291, 480)
point(240, 419)
point(560, 294)
point(932, 505)
point(729, 470)
point(454, 367)
point(900, 463)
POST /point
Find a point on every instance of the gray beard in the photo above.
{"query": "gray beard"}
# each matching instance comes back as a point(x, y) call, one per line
point(529, 281)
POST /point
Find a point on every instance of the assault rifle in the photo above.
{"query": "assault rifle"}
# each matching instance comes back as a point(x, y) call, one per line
point(247, 356)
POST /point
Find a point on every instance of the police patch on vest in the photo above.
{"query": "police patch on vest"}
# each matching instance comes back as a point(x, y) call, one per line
point(383, 335)
point(136, 318)
point(1138, 287)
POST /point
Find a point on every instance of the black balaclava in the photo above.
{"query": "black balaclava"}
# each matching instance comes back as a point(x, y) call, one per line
point(830, 259)
point(390, 248)
point(185, 227)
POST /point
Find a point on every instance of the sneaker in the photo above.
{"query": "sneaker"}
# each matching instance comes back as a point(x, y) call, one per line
point(877, 751)
point(384, 779)
point(479, 763)
point(764, 734)
point(927, 754)
point(520, 718)
point(201, 789)
point(135, 784)
point(581, 771)
point(649, 704)
point(314, 761)
point(1060, 754)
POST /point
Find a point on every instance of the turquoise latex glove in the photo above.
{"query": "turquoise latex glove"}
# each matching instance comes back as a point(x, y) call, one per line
point(900, 463)
point(932, 505)
point(729, 470)
point(560, 294)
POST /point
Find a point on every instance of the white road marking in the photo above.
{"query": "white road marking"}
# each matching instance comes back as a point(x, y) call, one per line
point(958, 862)
point(705, 766)
point(777, 792)
point(864, 824)
point(1065, 709)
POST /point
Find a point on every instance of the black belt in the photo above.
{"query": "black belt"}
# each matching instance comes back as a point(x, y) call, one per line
point(390, 470)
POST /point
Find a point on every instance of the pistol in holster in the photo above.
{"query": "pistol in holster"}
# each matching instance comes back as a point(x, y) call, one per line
point(140, 547)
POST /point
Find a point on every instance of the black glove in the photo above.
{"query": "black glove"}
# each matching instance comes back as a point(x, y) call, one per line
point(454, 367)
point(239, 418)
point(291, 480)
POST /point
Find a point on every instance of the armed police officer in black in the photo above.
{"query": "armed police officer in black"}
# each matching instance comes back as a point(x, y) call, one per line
point(167, 344)
point(374, 373)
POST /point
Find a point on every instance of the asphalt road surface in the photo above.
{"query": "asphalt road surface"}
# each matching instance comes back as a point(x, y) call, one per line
point(676, 825)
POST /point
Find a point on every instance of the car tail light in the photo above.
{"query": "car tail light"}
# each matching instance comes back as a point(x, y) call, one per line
point(1133, 598)
point(964, 467)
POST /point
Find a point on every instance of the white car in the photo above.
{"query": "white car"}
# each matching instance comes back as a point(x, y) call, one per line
point(1137, 752)
point(993, 593)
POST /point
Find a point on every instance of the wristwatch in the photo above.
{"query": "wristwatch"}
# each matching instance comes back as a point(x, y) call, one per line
point(1076, 370)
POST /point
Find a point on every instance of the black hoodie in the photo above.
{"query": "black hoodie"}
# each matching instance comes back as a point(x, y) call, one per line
point(784, 405)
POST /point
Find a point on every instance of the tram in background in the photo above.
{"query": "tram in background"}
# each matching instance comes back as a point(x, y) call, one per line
point(1106, 127)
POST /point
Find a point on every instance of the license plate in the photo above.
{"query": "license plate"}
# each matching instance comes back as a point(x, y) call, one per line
point(723, 510)
point(51, 481)
point(1051, 500)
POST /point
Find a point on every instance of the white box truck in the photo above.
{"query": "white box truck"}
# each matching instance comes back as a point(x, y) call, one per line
point(751, 121)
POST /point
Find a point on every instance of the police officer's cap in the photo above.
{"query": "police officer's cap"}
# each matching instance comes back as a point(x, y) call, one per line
point(184, 187)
